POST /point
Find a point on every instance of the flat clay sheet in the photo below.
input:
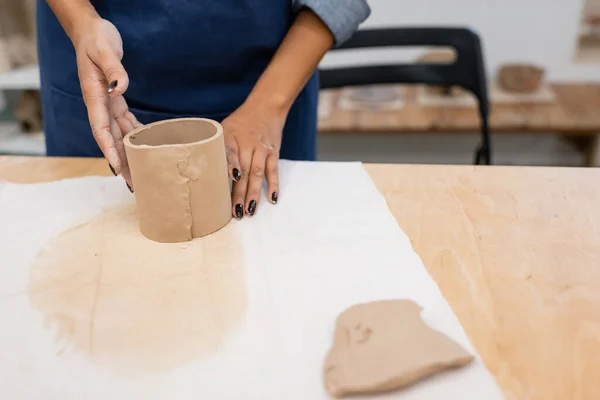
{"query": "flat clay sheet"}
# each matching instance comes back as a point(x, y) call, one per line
point(384, 345)
point(179, 173)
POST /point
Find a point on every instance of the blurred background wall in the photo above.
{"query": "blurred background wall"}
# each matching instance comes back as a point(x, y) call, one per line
point(544, 32)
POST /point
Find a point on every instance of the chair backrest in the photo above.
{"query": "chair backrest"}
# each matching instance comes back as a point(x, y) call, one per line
point(467, 70)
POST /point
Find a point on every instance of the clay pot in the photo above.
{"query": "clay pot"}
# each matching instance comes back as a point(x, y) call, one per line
point(520, 78)
point(179, 173)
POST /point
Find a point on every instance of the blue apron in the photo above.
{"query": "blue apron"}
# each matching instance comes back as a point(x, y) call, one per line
point(184, 59)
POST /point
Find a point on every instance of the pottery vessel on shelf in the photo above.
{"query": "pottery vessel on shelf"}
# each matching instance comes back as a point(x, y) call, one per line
point(520, 78)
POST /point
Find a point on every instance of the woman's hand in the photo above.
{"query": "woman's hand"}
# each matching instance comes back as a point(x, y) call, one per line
point(253, 132)
point(252, 140)
point(103, 81)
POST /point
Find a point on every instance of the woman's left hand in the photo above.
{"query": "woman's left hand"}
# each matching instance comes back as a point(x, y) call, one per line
point(252, 141)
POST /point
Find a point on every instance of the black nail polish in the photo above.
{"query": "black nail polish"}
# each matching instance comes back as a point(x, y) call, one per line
point(252, 207)
point(112, 86)
point(112, 169)
point(129, 187)
point(236, 174)
point(274, 197)
point(239, 211)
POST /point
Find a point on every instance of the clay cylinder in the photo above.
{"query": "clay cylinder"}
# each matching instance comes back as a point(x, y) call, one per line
point(179, 173)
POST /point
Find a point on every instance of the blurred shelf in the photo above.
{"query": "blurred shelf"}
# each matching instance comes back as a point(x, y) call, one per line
point(14, 142)
point(588, 49)
point(21, 78)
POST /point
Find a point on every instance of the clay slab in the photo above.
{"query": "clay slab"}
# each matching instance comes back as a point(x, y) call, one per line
point(383, 346)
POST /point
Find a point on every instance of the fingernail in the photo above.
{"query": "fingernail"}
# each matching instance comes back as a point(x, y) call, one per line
point(112, 169)
point(129, 187)
point(236, 174)
point(252, 207)
point(239, 211)
point(112, 86)
point(274, 197)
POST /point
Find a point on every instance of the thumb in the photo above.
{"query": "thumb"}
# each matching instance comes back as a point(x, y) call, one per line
point(109, 61)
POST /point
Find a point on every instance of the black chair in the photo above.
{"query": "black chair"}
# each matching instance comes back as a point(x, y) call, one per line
point(467, 71)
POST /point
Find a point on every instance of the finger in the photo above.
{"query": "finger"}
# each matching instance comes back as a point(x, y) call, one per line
point(126, 174)
point(108, 59)
point(133, 120)
point(100, 123)
point(240, 187)
point(272, 175)
point(233, 161)
point(255, 180)
point(120, 112)
point(119, 145)
point(97, 103)
point(126, 122)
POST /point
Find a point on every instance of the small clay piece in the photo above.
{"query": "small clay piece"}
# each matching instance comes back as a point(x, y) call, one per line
point(442, 56)
point(383, 346)
point(179, 173)
point(520, 78)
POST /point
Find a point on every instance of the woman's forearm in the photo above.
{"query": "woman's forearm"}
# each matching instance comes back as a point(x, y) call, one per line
point(73, 14)
point(295, 61)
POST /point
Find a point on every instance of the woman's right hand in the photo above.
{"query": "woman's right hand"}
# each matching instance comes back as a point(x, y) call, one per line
point(103, 80)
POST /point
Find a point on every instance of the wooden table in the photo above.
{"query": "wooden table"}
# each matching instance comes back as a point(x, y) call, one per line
point(576, 111)
point(515, 250)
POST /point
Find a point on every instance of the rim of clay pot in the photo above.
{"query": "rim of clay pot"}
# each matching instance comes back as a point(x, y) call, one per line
point(161, 133)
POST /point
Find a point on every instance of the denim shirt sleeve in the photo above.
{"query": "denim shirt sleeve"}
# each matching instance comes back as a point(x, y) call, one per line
point(342, 17)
